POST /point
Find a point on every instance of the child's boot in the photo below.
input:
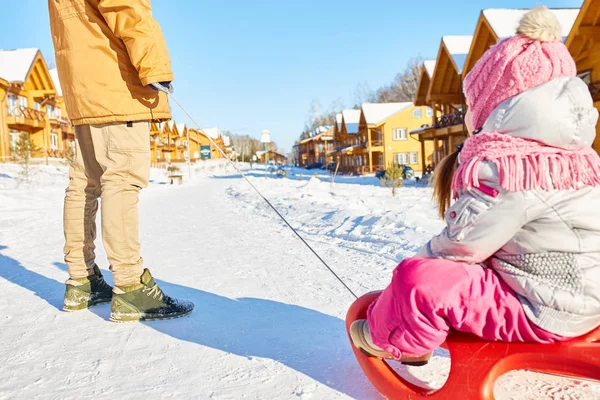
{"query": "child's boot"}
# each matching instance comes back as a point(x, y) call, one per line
point(361, 337)
point(145, 302)
point(84, 293)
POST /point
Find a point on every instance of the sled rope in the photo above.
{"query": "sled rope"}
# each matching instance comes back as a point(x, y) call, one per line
point(264, 198)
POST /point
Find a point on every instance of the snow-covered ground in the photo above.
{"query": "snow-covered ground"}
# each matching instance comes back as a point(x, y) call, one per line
point(269, 317)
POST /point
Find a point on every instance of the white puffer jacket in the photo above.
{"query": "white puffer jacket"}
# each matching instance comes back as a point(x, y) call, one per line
point(544, 244)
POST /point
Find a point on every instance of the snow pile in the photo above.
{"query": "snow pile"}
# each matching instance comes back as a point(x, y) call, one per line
point(269, 318)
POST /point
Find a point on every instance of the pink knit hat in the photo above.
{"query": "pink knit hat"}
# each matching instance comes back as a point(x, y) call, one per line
point(534, 56)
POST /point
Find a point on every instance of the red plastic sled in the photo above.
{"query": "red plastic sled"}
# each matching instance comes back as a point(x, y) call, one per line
point(476, 364)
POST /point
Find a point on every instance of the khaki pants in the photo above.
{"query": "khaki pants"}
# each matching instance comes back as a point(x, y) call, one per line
point(112, 162)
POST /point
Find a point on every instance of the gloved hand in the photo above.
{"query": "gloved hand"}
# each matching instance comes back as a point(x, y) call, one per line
point(165, 87)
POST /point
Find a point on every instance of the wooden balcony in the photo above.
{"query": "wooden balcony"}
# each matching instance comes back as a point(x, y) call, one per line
point(26, 116)
point(376, 143)
point(448, 120)
point(169, 147)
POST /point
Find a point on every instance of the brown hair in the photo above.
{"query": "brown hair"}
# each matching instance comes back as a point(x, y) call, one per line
point(442, 182)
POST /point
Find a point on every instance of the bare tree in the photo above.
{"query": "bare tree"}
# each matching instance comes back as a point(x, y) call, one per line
point(362, 94)
point(316, 118)
point(405, 85)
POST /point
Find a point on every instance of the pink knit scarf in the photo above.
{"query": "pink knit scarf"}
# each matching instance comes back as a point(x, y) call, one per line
point(525, 164)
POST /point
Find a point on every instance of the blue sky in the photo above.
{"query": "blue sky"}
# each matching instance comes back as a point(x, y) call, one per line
point(248, 65)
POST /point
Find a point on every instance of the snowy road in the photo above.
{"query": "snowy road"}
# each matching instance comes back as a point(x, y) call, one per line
point(268, 322)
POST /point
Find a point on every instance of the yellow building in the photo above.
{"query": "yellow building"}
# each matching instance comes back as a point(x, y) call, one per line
point(317, 148)
point(162, 143)
point(31, 103)
point(584, 44)
point(348, 143)
point(218, 138)
point(201, 146)
point(384, 140)
point(444, 96)
point(273, 157)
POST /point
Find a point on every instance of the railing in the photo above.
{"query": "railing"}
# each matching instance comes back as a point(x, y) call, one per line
point(455, 118)
point(27, 112)
point(65, 127)
point(169, 147)
point(376, 143)
point(595, 90)
point(56, 153)
point(447, 120)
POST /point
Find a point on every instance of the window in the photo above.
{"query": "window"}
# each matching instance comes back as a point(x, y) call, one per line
point(400, 134)
point(58, 113)
point(185, 143)
point(14, 138)
point(417, 113)
point(186, 155)
point(37, 106)
point(23, 101)
point(168, 156)
point(12, 105)
point(400, 158)
point(158, 154)
point(50, 111)
point(54, 141)
point(429, 112)
point(196, 155)
point(414, 157)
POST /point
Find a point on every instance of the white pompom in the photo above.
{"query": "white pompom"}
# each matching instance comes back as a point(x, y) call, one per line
point(540, 24)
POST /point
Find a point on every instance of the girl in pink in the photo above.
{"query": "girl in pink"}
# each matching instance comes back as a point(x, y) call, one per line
point(519, 259)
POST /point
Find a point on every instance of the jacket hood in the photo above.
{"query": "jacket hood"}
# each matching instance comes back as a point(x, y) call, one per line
point(559, 113)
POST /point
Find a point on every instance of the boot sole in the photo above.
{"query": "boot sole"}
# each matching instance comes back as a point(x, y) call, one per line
point(414, 362)
point(86, 306)
point(148, 318)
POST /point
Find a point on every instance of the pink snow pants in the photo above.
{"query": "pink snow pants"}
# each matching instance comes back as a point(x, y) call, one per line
point(428, 297)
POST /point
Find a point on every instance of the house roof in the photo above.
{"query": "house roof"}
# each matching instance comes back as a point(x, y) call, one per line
point(214, 133)
point(320, 130)
point(15, 64)
point(458, 47)
point(351, 119)
point(338, 121)
point(54, 74)
point(376, 113)
point(504, 21)
point(429, 66)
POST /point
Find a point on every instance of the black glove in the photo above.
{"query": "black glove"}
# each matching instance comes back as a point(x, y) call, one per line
point(165, 87)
